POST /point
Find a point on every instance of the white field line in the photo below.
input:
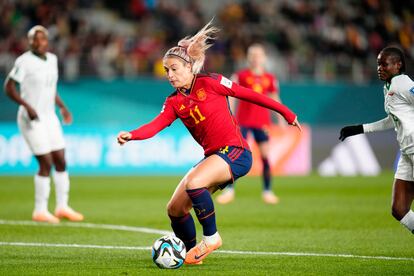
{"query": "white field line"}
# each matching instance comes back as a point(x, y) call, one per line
point(35, 244)
point(87, 225)
point(309, 254)
point(163, 232)
point(254, 253)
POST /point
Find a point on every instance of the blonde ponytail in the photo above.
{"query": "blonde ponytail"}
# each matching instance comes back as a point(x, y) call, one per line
point(193, 49)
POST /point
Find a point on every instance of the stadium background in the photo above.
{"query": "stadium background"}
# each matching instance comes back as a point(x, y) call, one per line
point(324, 54)
point(111, 76)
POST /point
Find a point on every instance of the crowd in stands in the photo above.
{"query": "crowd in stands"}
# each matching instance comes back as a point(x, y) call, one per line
point(317, 40)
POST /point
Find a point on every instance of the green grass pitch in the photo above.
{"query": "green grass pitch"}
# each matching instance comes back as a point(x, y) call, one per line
point(339, 219)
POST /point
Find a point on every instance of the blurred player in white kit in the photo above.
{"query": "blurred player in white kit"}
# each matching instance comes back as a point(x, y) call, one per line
point(36, 72)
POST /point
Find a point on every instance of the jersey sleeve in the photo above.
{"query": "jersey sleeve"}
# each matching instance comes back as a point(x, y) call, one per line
point(18, 71)
point(228, 88)
point(383, 124)
point(408, 93)
point(403, 87)
point(166, 117)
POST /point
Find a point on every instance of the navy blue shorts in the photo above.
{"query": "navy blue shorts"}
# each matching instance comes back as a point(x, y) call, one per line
point(260, 134)
point(239, 160)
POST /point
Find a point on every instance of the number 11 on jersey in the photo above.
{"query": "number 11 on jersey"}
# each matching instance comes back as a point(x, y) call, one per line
point(196, 114)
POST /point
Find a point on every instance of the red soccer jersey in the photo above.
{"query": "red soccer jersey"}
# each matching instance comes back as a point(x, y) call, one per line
point(248, 114)
point(206, 114)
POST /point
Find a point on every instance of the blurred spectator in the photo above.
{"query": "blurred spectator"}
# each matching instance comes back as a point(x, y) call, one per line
point(321, 40)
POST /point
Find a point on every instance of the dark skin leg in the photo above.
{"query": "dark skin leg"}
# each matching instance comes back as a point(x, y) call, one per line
point(59, 160)
point(46, 161)
point(45, 164)
point(402, 197)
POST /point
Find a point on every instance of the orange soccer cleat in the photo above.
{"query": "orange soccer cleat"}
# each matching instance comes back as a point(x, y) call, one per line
point(201, 250)
point(44, 216)
point(226, 196)
point(270, 198)
point(68, 213)
point(198, 263)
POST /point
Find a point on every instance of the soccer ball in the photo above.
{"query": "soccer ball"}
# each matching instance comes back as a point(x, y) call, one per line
point(168, 252)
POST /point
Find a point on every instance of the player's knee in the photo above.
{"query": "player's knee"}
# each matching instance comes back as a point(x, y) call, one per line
point(170, 209)
point(398, 211)
point(175, 210)
point(60, 165)
point(192, 183)
point(45, 167)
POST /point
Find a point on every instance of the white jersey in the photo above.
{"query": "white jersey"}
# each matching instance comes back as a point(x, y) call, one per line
point(38, 80)
point(399, 105)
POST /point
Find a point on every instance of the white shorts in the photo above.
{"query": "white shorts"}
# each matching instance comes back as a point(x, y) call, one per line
point(43, 135)
point(405, 169)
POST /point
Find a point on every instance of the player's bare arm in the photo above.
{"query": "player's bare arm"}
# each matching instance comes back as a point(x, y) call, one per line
point(67, 116)
point(11, 91)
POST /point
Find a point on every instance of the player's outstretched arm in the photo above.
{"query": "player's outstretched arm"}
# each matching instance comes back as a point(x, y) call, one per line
point(146, 131)
point(259, 99)
point(386, 123)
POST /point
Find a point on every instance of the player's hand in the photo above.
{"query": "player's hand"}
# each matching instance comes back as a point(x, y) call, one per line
point(350, 131)
point(123, 137)
point(67, 116)
point(31, 112)
point(296, 124)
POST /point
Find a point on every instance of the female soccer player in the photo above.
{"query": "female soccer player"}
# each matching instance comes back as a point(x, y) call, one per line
point(200, 101)
point(399, 105)
point(37, 72)
point(255, 119)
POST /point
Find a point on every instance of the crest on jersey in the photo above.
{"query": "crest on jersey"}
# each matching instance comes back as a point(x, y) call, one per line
point(412, 90)
point(201, 94)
